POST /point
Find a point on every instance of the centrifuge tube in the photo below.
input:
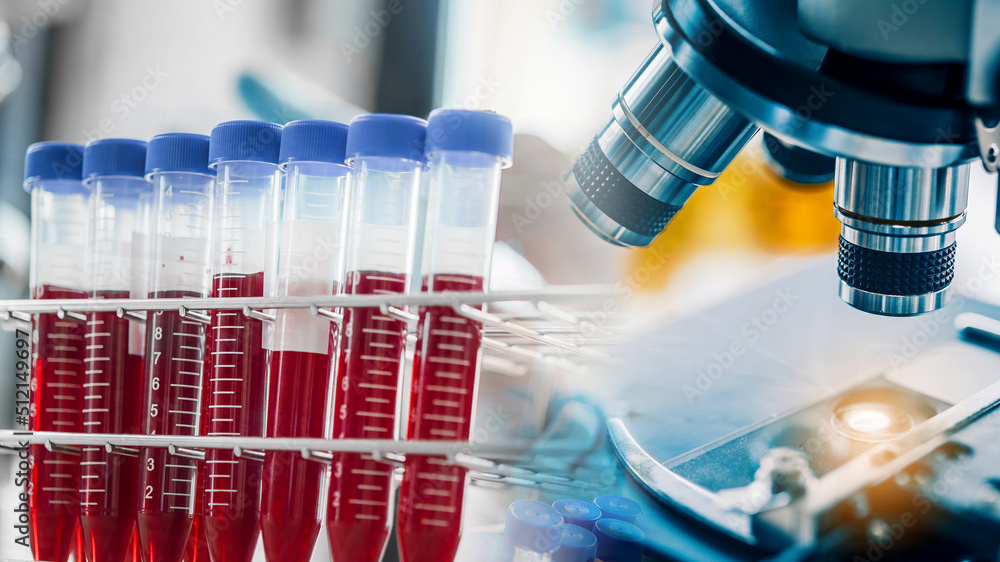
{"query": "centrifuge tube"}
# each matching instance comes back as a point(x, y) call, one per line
point(577, 545)
point(618, 507)
point(244, 155)
point(177, 166)
point(578, 512)
point(466, 151)
point(535, 529)
point(59, 211)
point(303, 347)
point(387, 154)
point(619, 541)
point(120, 199)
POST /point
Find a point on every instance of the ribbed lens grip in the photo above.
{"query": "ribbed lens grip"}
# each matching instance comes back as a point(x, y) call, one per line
point(890, 273)
point(617, 197)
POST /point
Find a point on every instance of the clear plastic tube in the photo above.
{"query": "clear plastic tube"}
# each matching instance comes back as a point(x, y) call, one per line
point(179, 257)
point(304, 345)
point(59, 211)
point(380, 261)
point(112, 390)
point(247, 190)
point(462, 206)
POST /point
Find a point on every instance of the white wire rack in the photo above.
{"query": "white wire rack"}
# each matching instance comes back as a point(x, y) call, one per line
point(552, 330)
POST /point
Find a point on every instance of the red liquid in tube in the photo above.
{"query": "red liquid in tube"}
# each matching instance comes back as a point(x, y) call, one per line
point(56, 403)
point(168, 482)
point(234, 390)
point(442, 402)
point(291, 492)
point(359, 510)
point(111, 404)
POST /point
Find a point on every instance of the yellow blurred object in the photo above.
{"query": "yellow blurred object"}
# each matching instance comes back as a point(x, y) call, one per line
point(749, 208)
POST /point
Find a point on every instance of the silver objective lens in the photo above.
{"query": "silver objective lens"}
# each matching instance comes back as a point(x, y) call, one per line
point(897, 244)
point(667, 137)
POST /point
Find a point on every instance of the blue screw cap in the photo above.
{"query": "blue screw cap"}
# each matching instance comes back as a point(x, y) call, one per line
point(485, 547)
point(58, 161)
point(313, 140)
point(617, 507)
point(114, 157)
point(252, 141)
point(578, 512)
point(534, 526)
point(178, 152)
point(387, 135)
point(578, 545)
point(618, 541)
point(470, 131)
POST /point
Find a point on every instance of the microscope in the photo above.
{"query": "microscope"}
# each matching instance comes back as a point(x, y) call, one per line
point(905, 94)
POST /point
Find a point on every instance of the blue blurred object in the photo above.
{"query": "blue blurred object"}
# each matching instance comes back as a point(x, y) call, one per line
point(576, 431)
point(534, 526)
point(266, 103)
point(617, 507)
point(484, 547)
point(578, 512)
point(618, 541)
point(578, 545)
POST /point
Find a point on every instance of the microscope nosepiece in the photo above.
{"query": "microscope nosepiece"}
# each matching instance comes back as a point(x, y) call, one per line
point(612, 206)
point(667, 136)
point(897, 244)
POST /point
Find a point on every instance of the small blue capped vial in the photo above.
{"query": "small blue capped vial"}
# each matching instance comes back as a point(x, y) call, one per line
point(617, 507)
point(484, 547)
point(578, 545)
point(618, 541)
point(578, 512)
point(535, 529)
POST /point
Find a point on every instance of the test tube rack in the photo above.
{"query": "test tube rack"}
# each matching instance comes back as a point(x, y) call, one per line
point(555, 335)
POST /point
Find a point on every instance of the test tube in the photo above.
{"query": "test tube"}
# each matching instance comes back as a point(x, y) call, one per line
point(119, 197)
point(177, 166)
point(387, 155)
point(535, 529)
point(310, 263)
point(59, 224)
point(244, 155)
point(466, 152)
